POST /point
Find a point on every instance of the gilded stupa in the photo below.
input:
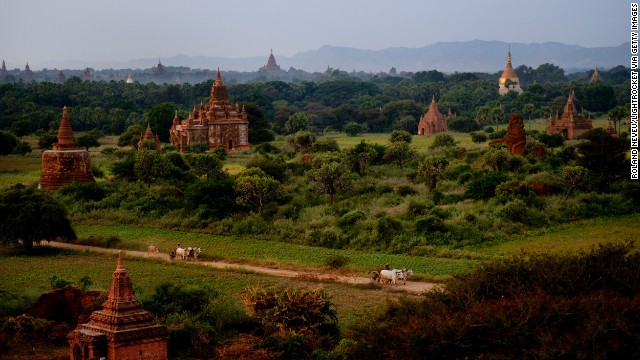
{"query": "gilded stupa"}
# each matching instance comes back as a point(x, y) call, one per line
point(509, 80)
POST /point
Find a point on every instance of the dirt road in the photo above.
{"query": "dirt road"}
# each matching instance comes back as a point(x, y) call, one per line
point(412, 287)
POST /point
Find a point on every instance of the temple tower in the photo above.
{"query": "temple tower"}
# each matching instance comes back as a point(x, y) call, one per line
point(148, 135)
point(271, 64)
point(3, 70)
point(509, 80)
point(570, 124)
point(433, 121)
point(67, 162)
point(122, 330)
point(595, 77)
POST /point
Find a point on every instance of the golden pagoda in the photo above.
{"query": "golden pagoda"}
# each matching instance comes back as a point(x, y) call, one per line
point(509, 80)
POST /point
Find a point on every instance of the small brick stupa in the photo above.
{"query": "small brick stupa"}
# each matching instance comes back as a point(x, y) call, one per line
point(67, 162)
point(122, 329)
point(516, 137)
point(433, 121)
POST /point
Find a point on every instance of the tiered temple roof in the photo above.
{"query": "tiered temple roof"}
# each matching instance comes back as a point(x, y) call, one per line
point(217, 123)
point(571, 124)
point(595, 77)
point(122, 329)
point(148, 135)
point(271, 64)
point(433, 121)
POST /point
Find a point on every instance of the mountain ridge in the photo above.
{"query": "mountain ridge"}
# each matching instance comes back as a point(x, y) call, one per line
point(474, 55)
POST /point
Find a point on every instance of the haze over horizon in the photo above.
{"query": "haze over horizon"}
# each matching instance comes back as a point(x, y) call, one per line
point(35, 32)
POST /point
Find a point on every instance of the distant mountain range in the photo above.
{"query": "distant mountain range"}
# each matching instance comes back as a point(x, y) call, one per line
point(476, 55)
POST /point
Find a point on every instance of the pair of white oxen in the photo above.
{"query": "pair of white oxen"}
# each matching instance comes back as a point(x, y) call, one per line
point(391, 276)
point(190, 253)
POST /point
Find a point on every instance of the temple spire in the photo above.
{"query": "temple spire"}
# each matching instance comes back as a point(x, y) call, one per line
point(65, 133)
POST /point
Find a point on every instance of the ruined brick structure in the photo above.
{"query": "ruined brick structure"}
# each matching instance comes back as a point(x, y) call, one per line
point(271, 64)
point(571, 124)
point(516, 138)
point(216, 123)
point(122, 330)
point(148, 135)
point(509, 80)
point(66, 163)
point(432, 121)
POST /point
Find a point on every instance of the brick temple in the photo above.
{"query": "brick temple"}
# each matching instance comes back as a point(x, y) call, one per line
point(433, 121)
point(271, 64)
point(516, 137)
point(571, 124)
point(149, 135)
point(217, 123)
point(67, 162)
point(122, 330)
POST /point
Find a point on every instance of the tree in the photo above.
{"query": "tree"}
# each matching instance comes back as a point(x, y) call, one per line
point(150, 165)
point(574, 177)
point(254, 187)
point(497, 115)
point(431, 169)
point(443, 140)
point(360, 156)
point(399, 153)
point(329, 175)
point(297, 122)
point(29, 216)
point(160, 117)
point(212, 198)
point(618, 113)
point(302, 140)
point(259, 128)
point(528, 109)
point(8, 143)
point(400, 135)
point(602, 154)
point(131, 136)
point(353, 128)
point(483, 115)
point(87, 141)
point(207, 165)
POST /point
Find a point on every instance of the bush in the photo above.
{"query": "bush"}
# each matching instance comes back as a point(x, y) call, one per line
point(552, 141)
point(57, 282)
point(430, 223)
point(443, 140)
point(484, 186)
point(478, 138)
point(463, 124)
point(336, 261)
point(326, 145)
point(405, 190)
point(196, 148)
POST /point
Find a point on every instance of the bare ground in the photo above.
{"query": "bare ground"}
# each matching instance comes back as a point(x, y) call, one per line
point(412, 287)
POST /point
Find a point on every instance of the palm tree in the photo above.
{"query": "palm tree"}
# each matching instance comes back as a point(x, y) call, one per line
point(528, 109)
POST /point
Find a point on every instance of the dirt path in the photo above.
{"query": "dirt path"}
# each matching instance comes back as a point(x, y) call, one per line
point(413, 287)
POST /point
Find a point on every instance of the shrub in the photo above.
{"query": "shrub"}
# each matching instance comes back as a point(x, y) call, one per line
point(348, 220)
point(430, 223)
point(196, 148)
point(405, 190)
point(514, 189)
point(326, 145)
point(336, 261)
point(484, 186)
point(57, 282)
point(443, 140)
point(400, 135)
point(552, 140)
point(478, 138)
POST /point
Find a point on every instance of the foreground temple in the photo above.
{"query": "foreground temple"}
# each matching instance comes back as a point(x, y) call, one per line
point(122, 330)
point(67, 162)
point(571, 124)
point(216, 123)
point(433, 121)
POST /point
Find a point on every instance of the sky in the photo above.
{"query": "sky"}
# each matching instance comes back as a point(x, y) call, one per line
point(35, 31)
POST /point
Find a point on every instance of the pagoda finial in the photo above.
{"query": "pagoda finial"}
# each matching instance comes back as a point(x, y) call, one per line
point(65, 134)
point(120, 265)
point(218, 77)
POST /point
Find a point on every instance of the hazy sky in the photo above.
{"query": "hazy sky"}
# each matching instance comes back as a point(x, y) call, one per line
point(34, 31)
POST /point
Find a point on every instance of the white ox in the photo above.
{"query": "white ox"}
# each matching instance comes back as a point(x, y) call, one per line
point(193, 252)
point(389, 276)
point(181, 252)
point(404, 275)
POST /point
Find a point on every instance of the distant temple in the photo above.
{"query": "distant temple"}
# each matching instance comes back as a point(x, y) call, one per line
point(216, 123)
point(122, 329)
point(129, 80)
point(61, 78)
point(159, 69)
point(509, 80)
point(3, 70)
point(595, 77)
point(571, 124)
point(26, 74)
point(432, 121)
point(87, 75)
point(67, 162)
point(271, 64)
point(148, 135)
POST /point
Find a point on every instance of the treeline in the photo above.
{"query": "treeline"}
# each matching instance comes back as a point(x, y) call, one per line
point(382, 103)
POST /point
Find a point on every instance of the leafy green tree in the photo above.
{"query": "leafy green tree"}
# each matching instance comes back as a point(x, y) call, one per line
point(297, 122)
point(361, 156)
point(617, 114)
point(329, 175)
point(528, 109)
point(353, 128)
point(46, 140)
point(574, 177)
point(207, 165)
point(259, 128)
point(400, 135)
point(602, 154)
point(302, 141)
point(254, 187)
point(88, 140)
point(443, 140)
point(160, 117)
point(431, 170)
point(150, 165)
point(483, 115)
point(400, 152)
point(29, 216)
point(197, 148)
point(406, 123)
point(496, 159)
point(131, 136)
point(478, 137)
point(212, 198)
point(497, 115)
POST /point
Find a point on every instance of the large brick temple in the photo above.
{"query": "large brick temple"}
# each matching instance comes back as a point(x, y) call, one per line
point(122, 330)
point(570, 124)
point(217, 123)
point(67, 162)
